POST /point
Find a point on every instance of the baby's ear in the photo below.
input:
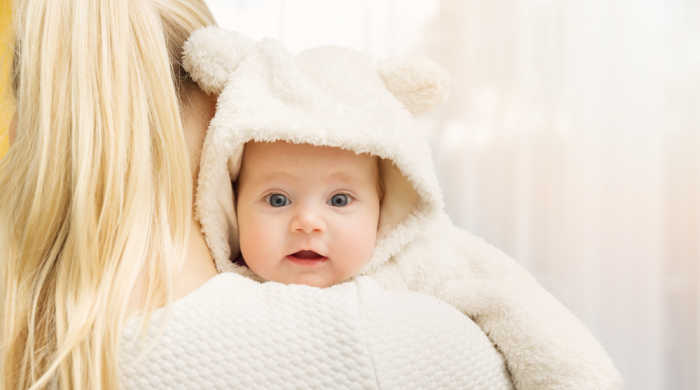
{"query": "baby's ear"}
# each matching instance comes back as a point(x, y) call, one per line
point(417, 82)
point(211, 54)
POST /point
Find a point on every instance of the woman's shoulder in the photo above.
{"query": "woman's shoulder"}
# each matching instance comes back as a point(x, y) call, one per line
point(414, 308)
point(236, 333)
point(231, 294)
point(402, 300)
point(421, 342)
point(231, 329)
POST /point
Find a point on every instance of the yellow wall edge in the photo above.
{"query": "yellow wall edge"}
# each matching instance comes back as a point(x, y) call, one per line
point(7, 107)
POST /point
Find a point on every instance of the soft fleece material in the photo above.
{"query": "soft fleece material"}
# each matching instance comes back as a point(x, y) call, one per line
point(337, 97)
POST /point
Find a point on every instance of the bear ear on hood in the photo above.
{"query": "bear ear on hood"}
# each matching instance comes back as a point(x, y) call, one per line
point(417, 82)
point(211, 54)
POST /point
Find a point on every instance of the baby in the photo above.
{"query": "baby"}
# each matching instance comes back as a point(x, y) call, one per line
point(333, 178)
point(306, 214)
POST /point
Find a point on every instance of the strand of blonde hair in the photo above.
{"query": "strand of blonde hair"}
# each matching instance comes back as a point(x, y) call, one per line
point(97, 189)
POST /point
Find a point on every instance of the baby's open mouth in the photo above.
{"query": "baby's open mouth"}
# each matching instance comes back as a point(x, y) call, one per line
point(307, 258)
point(307, 255)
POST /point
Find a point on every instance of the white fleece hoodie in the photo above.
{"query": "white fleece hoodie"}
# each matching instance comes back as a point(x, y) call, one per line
point(337, 97)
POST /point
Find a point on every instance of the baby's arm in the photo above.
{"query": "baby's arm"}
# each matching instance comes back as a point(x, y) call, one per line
point(545, 346)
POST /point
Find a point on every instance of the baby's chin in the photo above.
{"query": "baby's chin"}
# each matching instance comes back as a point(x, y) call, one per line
point(321, 277)
point(312, 279)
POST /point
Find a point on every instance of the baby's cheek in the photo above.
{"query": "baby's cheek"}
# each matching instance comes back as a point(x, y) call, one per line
point(258, 244)
point(358, 247)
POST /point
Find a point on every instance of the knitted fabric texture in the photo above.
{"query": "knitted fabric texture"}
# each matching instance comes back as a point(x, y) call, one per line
point(273, 336)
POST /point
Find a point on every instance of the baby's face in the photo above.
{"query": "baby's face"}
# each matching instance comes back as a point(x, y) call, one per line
point(307, 214)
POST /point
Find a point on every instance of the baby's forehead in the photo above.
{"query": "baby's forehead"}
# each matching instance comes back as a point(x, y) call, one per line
point(273, 154)
point(282, 160)
point(295, 175)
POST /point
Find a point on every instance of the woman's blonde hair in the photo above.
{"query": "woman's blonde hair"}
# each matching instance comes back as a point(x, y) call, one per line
point(96, 190)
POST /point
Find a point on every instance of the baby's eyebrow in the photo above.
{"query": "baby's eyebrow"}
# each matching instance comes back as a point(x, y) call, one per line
point(342, 176)
point(277, 175)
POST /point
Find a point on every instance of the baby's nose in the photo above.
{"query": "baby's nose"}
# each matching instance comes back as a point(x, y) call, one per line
point(308, 221)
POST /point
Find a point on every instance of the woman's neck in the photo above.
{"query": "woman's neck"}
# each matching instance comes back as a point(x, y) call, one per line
point(198, 266)
point(199, 263)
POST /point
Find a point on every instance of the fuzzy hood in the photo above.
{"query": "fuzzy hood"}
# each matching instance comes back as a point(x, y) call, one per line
point(326, 96)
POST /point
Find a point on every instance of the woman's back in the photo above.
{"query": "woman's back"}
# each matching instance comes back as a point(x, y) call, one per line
point(236, 333)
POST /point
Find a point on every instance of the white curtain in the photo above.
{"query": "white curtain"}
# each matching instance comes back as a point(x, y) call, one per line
point(571, 141)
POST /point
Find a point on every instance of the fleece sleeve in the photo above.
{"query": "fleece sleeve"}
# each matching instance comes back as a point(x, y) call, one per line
point(544, 345)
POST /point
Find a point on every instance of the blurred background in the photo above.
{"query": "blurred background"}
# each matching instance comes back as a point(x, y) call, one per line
point(571, 141)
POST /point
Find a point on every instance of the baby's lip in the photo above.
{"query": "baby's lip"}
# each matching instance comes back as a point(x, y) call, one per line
point(307, 254)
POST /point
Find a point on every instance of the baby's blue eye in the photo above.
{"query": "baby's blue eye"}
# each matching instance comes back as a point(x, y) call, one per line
point(339, 200)
point(277, 200)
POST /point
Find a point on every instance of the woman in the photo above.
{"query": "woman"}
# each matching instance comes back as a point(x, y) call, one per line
point(96, 218)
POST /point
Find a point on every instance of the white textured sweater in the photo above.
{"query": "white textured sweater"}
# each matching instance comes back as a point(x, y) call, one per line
point(235, 333)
